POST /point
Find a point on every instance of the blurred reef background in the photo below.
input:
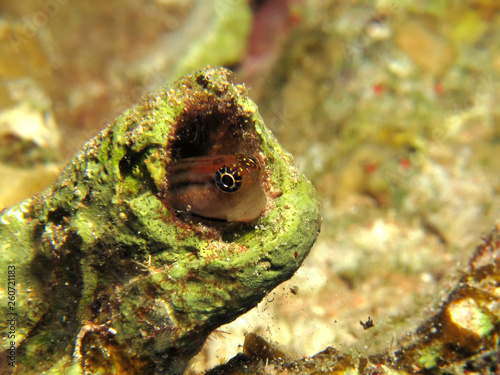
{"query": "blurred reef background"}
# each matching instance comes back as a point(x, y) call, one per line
point(389, 108)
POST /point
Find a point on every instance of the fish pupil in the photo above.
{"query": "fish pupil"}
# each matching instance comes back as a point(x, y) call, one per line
point(228, 180)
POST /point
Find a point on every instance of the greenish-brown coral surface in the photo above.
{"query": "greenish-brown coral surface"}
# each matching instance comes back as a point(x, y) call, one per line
point(107, 280)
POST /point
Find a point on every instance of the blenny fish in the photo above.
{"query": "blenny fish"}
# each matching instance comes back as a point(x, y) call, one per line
point(225, 187)
point(103, 281)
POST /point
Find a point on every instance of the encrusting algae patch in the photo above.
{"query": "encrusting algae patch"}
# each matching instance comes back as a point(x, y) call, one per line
point(112, 275)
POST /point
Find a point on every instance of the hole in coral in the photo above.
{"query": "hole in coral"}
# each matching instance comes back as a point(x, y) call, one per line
point(128, 163)
point(57, 216)
point(212, 124)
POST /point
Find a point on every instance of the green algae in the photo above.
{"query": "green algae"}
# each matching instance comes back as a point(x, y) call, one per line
point(109, 280)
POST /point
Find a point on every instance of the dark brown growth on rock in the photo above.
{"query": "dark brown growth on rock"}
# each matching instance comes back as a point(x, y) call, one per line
point(256, 346)
point(211, 123)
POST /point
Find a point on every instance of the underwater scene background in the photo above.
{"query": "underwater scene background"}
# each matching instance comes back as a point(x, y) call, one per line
point(388, 107)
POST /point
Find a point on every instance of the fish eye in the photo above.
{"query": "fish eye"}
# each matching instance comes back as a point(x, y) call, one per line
point(228, 180)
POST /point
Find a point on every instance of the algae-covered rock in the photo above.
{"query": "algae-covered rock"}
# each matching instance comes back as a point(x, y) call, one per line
point(101, 276)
